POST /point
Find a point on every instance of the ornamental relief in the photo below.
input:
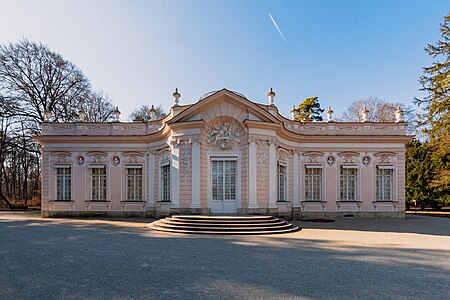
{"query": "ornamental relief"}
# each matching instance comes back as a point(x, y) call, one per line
point(97, 157)
point(133, 157)
point(224, 135)
point(313, 156)
point(366, 160)
point(282, 155)
point(348, 157)
point(185, 157)
point(262, 158)
point(385, 157)
point(164, 155)
point(60, 157)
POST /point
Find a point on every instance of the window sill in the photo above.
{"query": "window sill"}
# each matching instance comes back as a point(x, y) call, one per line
point(283, 201)
point(384, 201)
point(133, 201)
point(164, 201)
point(349, 201)
point(61, 201)
point(313, 201)
point(97, 201)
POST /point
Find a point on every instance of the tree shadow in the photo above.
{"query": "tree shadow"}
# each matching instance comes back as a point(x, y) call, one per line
point(412, 224)
point(79, 259)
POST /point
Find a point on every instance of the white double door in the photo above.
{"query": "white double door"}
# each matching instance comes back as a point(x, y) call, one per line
point(224, 185)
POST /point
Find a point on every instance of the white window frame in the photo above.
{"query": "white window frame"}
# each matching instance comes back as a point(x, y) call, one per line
point(282, 196)
point(379, 179)
point(137, 190)
point(100, 177)
point(66, 194)
point(162, 196)
point(308, 167)
point(344, 180)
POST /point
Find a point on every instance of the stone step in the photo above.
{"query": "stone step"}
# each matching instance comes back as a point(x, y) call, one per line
point(221, 217)
point(221, 228)
point(289, 230)
point(215, 224)
point(223, 221)
point(211, 224)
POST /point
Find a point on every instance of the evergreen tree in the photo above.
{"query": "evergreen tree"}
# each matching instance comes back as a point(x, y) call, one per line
point(420, 168)
point(309, 110)
point(436, 117)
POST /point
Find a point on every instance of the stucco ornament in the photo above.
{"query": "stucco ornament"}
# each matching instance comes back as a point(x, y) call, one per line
point(60, 157)
point(282, 155)
point(116, 160)
point(164, 155)
point(133, 157)
point(263, 157)
point(366, 160)
point(80, 160)
point(385, 157)
point(313, 156)
point(348, 156)
point(223, 135)
point(97, 157)
point(330, 160)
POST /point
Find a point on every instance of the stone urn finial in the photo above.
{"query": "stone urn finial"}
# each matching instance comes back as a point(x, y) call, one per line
point(176, 97)
point(271, 96)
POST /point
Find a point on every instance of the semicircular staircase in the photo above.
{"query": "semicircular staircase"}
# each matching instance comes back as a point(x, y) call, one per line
point(195, 224)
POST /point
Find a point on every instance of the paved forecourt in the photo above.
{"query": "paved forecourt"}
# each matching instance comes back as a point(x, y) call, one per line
point(122, 259)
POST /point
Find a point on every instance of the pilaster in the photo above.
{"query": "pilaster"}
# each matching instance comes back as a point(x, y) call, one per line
point(252, 195)
point(175, 174)
point(195, 174)
point(296, 181)
point(272, 174)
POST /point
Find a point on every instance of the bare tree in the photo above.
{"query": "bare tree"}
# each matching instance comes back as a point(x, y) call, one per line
point(38, 79)
point(379, 111)
point(34, 79)
point(98, 107)
point(143, 113)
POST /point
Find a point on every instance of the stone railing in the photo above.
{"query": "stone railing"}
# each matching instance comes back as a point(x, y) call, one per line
point(114, 128)
point(347, 128)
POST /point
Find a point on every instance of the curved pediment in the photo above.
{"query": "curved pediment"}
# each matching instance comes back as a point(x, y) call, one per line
point(313, 153)
point(225, 103)
point(132, 153)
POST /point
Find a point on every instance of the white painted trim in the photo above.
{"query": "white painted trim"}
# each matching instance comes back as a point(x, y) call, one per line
point(175, 176)
point(272, 175)
point(151, 180)
point(385, 167)
point(97, 166)
point(295, 183)
point(65, 166)
point(252, 186)
point(313, 166)
point(195, 175)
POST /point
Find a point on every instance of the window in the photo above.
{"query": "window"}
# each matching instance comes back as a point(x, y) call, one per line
point(63, 183)
point(348, 183)
point(281, 180)
point(165, 182)
point(313, 183)
point(384, 183)
point(98, 183)
point(134, 183)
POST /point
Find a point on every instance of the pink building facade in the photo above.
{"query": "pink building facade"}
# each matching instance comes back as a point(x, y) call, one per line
point(224, 155)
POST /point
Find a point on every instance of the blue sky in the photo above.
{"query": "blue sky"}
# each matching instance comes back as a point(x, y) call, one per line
point(139, 51)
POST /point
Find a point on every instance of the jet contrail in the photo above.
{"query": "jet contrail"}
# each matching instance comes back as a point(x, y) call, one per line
point(278, 28)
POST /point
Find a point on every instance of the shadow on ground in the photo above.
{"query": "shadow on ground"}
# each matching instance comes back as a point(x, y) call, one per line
point(412, 224)
point(83, 259)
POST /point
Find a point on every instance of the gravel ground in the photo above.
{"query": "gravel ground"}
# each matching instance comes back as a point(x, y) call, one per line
point(122, 259)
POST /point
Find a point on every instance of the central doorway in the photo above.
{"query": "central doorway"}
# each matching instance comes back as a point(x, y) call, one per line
point(224, 185)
